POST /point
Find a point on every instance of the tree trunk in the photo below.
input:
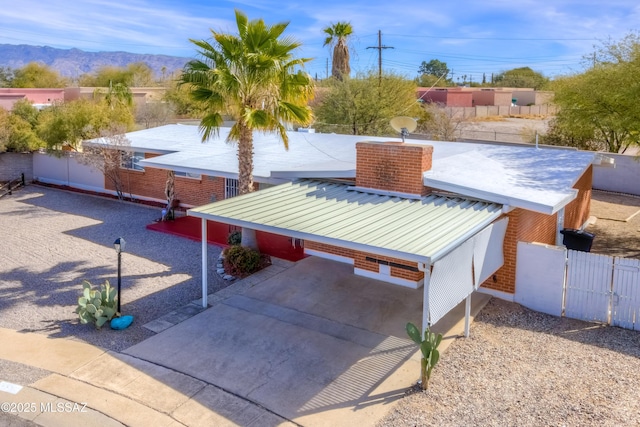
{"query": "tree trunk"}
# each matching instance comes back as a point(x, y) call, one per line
point(249, 239)
point(170, 193)
point(245, 177)
point(340, 68)
point(245, 159)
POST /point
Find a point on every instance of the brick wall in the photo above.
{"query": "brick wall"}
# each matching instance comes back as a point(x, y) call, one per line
point(360, 261)
point(13, 164)
point(528, 226)
point(151, 183)
point(334, 250)
point(524, 226)
point(577, 212)
point(393, 166)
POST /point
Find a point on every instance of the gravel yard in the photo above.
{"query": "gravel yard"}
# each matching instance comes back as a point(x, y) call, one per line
point(518, 367)
point(523, 368)
point(617, 229)
point(54, 239)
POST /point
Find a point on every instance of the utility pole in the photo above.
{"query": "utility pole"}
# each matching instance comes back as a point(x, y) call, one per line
point(379, 48)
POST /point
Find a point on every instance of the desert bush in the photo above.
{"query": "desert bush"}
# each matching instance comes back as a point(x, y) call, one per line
point(241, 260)
point(234, 238)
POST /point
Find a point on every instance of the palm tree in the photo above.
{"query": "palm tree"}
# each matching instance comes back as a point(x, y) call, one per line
point(337, 36)
point(254, 78)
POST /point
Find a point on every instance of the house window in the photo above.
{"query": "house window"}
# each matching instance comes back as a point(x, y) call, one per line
point(188, 175)
point(131, 160)
point(264, 185)
point(230, 188)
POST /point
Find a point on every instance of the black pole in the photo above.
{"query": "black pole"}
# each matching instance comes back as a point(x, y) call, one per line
point(119, 281)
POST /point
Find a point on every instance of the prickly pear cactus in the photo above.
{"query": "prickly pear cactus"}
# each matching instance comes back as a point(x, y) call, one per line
point(429, 348)
point(97, 306)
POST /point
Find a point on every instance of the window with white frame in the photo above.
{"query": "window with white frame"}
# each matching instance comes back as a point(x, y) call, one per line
point(188, 175)
point(230, 188)
point(130, 160)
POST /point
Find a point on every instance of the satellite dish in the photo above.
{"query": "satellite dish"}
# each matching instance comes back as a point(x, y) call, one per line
point(404, 125)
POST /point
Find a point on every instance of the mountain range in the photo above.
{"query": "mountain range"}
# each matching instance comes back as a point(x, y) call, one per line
point(75, 62)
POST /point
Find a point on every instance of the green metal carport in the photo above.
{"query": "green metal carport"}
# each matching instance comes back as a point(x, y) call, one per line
point(451, 229)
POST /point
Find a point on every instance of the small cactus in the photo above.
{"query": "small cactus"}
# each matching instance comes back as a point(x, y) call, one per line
point(97, 306)
point(429, 348)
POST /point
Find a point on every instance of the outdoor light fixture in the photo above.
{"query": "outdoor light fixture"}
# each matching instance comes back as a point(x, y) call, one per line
point(119, 244)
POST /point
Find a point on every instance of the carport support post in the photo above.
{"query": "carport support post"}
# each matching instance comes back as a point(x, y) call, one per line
point(425, 300)
point(467, 316)
point(204, 263)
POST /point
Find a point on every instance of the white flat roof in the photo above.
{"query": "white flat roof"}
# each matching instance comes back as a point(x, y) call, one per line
point(520, 176)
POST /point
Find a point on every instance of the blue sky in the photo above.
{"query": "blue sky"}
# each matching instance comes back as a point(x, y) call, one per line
point(473, 37)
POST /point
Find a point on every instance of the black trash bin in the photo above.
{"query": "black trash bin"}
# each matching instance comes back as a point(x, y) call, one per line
point(577, 240)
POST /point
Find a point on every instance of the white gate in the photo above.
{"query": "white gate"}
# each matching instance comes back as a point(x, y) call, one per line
point(626, 294)
point(597, 288)
point(588, 288)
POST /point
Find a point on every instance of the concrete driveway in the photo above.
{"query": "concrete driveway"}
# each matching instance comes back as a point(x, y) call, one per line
point(314, 344)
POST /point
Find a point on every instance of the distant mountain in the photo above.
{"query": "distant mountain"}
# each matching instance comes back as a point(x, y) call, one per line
point(75, 62)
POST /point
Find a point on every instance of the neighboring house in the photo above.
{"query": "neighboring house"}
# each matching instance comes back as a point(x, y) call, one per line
point(45, 97)
point(141, 95)
point(483, 96)
point(395, 211)
point(39, 97)
point(447, 97)
point(499, 97)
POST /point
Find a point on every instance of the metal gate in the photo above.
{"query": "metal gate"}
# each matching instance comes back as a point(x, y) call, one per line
point(601, 288)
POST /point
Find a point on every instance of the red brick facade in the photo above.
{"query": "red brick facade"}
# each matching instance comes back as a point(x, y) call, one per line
point(393, 166)
point(407, 271)
point(389, 166)
point(576, 213)
point(151, 183)
point(528, 226)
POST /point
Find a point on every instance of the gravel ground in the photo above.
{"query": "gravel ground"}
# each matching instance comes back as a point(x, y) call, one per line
point(523, 368)
point(613, 235)
point(53, 239)
point(509, 129)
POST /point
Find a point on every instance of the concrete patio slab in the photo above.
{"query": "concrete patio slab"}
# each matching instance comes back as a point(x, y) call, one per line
point(314, 344)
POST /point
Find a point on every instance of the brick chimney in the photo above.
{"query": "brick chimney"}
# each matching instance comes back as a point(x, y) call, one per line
point(393, 166)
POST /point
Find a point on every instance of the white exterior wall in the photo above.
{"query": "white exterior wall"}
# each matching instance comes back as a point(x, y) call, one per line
point(540, 277)
point(66, 170)
point(624, 178)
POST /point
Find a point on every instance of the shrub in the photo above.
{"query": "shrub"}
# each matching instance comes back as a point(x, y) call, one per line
point(97, 306)
point(234, 238)
point(241, 260)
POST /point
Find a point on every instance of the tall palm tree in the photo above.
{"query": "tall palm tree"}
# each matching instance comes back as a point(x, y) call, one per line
point(337, 36)
point(253, 77)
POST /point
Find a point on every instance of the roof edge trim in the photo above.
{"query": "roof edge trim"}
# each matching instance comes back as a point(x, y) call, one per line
point(312, 237)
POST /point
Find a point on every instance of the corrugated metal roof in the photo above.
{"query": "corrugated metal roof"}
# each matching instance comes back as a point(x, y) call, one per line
point(420, 229)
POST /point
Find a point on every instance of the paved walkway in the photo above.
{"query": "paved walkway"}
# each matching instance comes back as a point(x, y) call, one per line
point(91, 386)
